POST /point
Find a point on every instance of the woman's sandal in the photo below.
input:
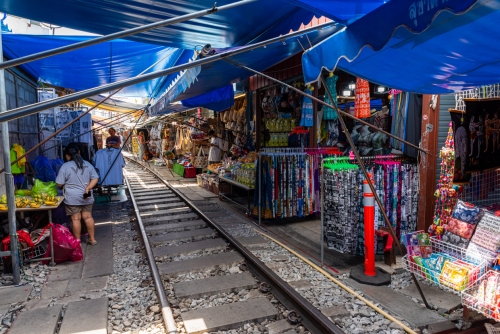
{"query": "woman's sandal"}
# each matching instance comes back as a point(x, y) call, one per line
point(92, 243)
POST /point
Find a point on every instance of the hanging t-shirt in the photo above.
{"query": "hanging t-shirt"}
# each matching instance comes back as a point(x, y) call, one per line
point(75, 182)
point(20, 166)
point(362, 101)
point(111, 174)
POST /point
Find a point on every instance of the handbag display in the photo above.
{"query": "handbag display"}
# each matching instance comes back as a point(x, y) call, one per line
point(201, 160)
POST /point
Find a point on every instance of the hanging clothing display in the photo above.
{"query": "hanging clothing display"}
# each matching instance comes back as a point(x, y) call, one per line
point(109, 162)
point(399, 112)
point(396, 184)
point(362, 101)
point(341, 211)
point(289, 186)
point(331, 84)
point(307, 110)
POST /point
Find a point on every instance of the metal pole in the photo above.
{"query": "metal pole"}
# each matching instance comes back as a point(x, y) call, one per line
point(52, 262)
point(121, 34)
point(9, 179)
point(372, 188)
point(340, 112)
point(322, 180)
point(36, 107)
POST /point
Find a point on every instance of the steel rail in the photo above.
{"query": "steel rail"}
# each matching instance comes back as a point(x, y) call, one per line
point(166, 310)
point(37, 107)
point(312, 318)
point(120, 34)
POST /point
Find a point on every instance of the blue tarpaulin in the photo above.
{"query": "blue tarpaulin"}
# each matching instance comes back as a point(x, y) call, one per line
point(432, 47)
point(228, 28)
point(93, 66)
point(219, 74)
point(217, 100)
point(342, 11)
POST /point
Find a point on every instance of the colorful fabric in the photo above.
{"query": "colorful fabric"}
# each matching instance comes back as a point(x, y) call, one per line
point(362, 101)
point(467, 212)
point(460, 228)
point(328, 113)
point(455, 239)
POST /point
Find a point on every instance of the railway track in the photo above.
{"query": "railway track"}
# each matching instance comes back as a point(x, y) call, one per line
point(205, 278)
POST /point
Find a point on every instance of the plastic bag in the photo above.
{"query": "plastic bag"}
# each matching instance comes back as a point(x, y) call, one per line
point(23, 192)
point(39, 188)
point(66, 246)
point(43, 169)
point(56, 165)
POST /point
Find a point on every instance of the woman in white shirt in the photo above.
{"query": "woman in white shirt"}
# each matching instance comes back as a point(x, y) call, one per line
point(215, 148)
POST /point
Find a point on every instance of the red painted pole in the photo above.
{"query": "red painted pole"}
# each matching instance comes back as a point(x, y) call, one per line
point(369, 213)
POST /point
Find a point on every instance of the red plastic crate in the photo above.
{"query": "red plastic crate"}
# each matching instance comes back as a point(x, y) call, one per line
point(189, 172)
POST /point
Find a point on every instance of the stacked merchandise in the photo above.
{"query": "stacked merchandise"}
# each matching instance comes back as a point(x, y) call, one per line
point(454, 271)
point(447, 193)
point(485, 242)
point(484, 296)
point(461, 224)
point(396, 184)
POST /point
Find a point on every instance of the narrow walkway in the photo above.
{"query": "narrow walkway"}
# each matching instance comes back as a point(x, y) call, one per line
point(73, 289)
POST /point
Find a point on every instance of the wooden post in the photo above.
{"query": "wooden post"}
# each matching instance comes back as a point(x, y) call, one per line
point(428, 163)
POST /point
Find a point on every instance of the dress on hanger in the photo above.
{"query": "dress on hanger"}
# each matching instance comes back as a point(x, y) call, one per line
point(330, 114)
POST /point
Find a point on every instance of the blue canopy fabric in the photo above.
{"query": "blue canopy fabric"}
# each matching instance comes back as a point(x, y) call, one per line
point(93, 66)
point(228, 28)
point(217, 100)
point(341, 11)
point(219, 74)
point(437, 50)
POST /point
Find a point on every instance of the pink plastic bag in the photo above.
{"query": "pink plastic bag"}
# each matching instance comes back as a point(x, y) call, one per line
point(66, 246)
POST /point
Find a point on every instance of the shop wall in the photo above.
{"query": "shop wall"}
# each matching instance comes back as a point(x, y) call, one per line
point(20, 91)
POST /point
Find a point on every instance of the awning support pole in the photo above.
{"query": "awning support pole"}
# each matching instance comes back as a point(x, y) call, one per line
point(120, 34)
point(340, 112)
point(37, 107)
point(9, 180)
point(374, 191)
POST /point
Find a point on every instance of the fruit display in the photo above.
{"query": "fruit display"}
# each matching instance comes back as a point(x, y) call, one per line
point(34, 202)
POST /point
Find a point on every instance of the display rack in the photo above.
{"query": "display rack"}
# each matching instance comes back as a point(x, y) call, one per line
point(471, 301)
point(460, 257)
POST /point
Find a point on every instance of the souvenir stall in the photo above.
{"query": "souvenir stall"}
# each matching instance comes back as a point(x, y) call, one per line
point(460, 251)
point(396, 182)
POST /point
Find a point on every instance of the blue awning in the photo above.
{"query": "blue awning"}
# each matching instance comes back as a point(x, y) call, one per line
point(437, 48)
point(342, 11)
point(93, 66)
point(219, 74)
point(232, 27)
point(217, 100)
